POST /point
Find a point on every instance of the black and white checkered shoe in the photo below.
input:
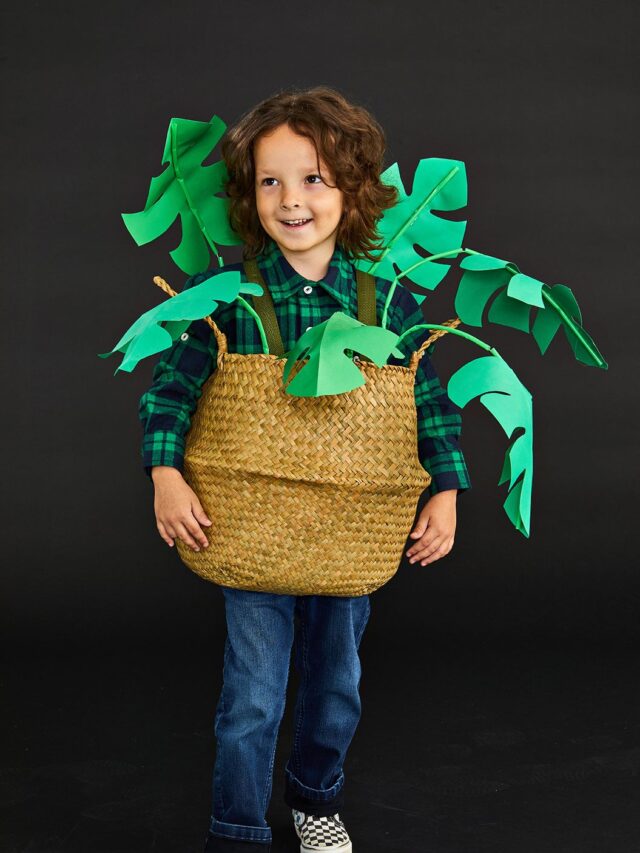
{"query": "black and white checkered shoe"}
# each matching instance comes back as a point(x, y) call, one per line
point(325, 833)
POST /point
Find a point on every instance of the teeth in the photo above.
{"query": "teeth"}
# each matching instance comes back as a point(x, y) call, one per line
point(294, 221)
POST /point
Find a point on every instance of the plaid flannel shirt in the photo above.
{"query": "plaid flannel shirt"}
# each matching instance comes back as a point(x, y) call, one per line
point(165, 409)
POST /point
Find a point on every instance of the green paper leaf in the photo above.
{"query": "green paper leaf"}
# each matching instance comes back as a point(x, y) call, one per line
point(156, 329)
point(475, 290)
point(492, 380)
point(189, 190)
point(412, 222)
point(326, 369)
point(526, 289)
point(480, 262)
point(485, 276)
point(509, 312)
point(560, 300)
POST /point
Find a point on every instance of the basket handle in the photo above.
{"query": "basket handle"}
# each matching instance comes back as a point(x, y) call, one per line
point(221, 338)
point(417, 355)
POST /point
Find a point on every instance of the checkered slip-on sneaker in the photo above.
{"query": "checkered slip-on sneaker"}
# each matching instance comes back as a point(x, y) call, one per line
point(325, 833)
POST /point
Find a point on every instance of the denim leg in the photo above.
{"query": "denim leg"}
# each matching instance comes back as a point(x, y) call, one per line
point(260, 628)
point(327, 711)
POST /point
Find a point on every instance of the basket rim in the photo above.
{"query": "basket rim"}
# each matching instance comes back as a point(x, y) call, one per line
point(268, 356)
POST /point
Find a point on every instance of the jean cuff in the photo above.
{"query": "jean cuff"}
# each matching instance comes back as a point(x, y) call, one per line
point(313, 800)
point(240, 832)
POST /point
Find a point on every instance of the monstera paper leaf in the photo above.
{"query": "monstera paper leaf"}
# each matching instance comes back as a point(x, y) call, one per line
point(188, 189)
point(157, 328)
point(555, 306)
point(329, 370)
point(438, 184)
point(502, 393)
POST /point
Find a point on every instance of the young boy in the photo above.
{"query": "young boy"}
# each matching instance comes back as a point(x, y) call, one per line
point(305, 195)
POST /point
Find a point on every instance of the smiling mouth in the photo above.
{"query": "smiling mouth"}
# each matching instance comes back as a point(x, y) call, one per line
point(295, 223)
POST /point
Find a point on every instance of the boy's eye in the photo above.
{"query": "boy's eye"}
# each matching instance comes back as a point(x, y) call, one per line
point(308, 176)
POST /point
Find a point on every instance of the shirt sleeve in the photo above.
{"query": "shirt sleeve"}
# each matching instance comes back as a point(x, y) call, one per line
point(439, 419)
point(165, 410)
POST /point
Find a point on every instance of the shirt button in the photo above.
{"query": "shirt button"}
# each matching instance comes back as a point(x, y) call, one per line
point(308, 327)
point(184, 336)
point(307, 288)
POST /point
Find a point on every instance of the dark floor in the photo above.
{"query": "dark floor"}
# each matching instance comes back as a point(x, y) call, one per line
point(459, 750)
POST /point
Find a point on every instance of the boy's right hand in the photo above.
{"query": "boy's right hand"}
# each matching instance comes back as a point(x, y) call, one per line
point(179, 513)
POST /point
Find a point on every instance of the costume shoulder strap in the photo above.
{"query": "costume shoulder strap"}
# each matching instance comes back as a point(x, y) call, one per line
point(367, 314)
point(366, 284)
point(264, 308)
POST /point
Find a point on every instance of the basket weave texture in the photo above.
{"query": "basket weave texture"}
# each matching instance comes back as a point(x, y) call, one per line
point(306, 495)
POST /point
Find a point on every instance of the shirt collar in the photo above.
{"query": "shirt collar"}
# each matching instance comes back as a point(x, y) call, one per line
point(283, 280)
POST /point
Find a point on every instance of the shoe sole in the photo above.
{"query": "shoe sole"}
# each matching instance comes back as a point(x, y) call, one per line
point(344, 848)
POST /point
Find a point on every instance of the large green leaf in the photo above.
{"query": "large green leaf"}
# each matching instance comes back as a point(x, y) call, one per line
point(157, 328)
point(502, 393)
point(328, 369)
point(188, 189)
point(517, 294)
point(438, 184)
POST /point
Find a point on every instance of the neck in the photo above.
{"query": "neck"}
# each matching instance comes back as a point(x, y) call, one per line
point(311, 263)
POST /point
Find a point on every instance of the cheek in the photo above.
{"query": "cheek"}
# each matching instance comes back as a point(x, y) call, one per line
point(263, 205)
point(330, 206)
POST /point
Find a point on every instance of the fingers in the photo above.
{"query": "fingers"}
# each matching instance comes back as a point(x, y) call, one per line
point(425, 547)
point(199, 514)
point(444, 548)
point(163, 532)
point(186, 529)
point(433, 550)
point(424, 542)
point(420, 528)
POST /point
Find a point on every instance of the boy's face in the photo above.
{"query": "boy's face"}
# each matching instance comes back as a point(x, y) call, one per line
point(289, 187)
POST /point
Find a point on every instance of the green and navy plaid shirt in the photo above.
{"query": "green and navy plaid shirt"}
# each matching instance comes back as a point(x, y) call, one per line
point(166, 408)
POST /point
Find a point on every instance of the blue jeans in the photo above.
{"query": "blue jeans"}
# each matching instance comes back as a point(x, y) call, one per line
point(261, 627)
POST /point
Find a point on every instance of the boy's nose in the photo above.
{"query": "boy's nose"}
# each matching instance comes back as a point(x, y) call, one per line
point(288, 199)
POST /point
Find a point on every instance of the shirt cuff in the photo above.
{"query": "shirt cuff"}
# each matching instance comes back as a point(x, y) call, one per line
point(452, 475)
point(162, 448)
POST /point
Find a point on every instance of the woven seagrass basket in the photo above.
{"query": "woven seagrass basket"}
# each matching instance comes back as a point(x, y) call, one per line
point(306, 495)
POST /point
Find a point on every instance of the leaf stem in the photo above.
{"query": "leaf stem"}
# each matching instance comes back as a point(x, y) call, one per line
point(410, 269)
point(263, 337)
point(459, 332)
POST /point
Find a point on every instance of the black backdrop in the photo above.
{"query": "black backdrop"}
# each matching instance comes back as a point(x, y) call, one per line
point(539, 101)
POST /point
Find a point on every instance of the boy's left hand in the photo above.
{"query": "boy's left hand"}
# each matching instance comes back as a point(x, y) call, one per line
point(434, 532)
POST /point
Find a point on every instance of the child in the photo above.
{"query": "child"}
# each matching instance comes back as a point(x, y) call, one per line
point(305, 196)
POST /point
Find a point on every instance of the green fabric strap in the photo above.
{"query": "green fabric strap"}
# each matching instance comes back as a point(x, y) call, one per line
point(366, 288)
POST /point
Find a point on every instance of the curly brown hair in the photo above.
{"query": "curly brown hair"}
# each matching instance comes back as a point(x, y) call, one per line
point(346, 136)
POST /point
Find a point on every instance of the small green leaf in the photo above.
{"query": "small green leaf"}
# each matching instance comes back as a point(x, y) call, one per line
point(156, 329)
point(509, 312)
point(526, 289)
point(475, 290)
point(326, 368)
point(502, 393)
point(563, 310)
point(479, 262)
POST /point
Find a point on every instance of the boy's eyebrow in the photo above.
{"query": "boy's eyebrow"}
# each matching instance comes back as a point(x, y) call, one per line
point(313, 168)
